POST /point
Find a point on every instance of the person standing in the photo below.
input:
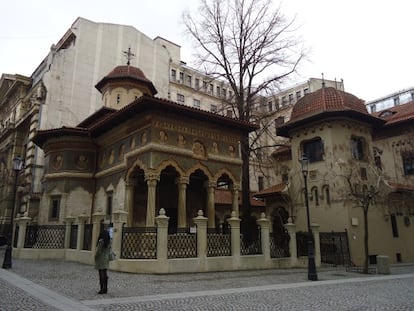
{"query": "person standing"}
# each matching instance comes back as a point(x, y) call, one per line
point(103, 248)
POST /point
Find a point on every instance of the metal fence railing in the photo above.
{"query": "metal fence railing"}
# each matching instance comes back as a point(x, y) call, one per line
point(139, 243)
point(279, 246)
point(73, 239)
point(218, 244)
point(46, 237)
point(182, 244)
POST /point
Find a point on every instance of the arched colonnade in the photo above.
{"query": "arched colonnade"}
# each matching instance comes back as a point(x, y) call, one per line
point(181, 193)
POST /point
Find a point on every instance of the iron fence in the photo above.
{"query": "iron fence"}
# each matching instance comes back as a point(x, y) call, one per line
point(182, 244)
point(302, 243)
point(73, 239)
point(335, 248)
point(218, 244)
point(279, 246)
point(250, 246)
point(139, 243)
point(46, 237)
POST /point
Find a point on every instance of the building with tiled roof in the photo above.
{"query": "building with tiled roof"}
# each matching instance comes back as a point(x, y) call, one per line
point(349, 149)
point(147, 139)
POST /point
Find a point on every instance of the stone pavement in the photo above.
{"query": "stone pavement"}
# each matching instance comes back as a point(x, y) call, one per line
point(59, 285)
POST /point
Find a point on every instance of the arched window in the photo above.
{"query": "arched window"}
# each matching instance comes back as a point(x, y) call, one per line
point(315, 194)
point(326, 193)
point(313, 149)
point(358, 148)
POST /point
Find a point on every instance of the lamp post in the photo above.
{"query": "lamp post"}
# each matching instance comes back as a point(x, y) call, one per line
point(312, 275)
point(7, 261)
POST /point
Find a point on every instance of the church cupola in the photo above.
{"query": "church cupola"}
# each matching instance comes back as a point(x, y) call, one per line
point(123, 85)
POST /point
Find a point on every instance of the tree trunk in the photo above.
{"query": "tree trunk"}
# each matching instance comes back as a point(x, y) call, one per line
point(366, 240)
point(248, 225)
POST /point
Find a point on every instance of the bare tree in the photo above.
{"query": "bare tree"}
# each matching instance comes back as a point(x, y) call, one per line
point(251, 46)
point(365, 189)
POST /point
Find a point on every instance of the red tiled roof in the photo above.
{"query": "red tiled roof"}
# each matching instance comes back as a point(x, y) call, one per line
point(96, 116)
point(223, 196)
point(106, 120)
point(42, 136)
point(326, 99)
point(281, 150)
point(397, 114)
point(146, 102)
point(279, 188)
point(126, 72)
point(324, 103)
point(400, 187)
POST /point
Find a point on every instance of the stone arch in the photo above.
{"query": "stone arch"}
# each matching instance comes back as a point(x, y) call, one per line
point(167, 193)
point(137, 164)
point(202, 168)
point(136, 196)
point(197, 188)
point(222, 172)
point(170, 162)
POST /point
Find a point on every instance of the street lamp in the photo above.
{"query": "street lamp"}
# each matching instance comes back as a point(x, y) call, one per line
point(312, 275)
point(7, 261)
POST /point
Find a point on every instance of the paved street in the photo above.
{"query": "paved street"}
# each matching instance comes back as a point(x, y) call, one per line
point(57, 285)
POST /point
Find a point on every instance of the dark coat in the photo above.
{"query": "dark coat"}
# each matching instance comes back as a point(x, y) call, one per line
point(102, 255)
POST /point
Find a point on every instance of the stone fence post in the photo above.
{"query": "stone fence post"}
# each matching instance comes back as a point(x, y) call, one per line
point(264, 233)
point(22, 222)
point(201, 223)
point(234, 223)
point(291, 228)
point(120, 218)
point(162, 237)
point(315, 231)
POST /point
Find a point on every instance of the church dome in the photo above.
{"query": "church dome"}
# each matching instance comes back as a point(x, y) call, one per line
point(326, 99)
point(126, 73)
point(327, 102)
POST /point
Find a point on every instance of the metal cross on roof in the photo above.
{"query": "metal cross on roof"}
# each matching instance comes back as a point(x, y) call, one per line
point(129, 55)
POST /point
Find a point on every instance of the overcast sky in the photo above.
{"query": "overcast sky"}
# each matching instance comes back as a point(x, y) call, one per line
point(368, 44)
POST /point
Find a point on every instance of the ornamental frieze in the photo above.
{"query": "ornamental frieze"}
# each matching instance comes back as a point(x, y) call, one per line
point(203, 133)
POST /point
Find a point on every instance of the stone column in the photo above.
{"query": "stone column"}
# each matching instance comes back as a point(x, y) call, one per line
point(315, 231)
point(120, 218)
point(129, 194)
point(235, 198)
point(162, 239)
point(201, 223)
point(291, 228)
point(68, 222)
point(182, 197)
point(234, 223)
point(211, 213)
point(264, 232)
point(152, 180)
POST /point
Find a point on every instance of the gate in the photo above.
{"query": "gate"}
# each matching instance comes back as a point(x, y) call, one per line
point(334, 248)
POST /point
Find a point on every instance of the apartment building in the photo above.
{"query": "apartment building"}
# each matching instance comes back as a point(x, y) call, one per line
point(395, 99)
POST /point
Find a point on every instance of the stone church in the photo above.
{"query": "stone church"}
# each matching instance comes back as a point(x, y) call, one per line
point(139, 154)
